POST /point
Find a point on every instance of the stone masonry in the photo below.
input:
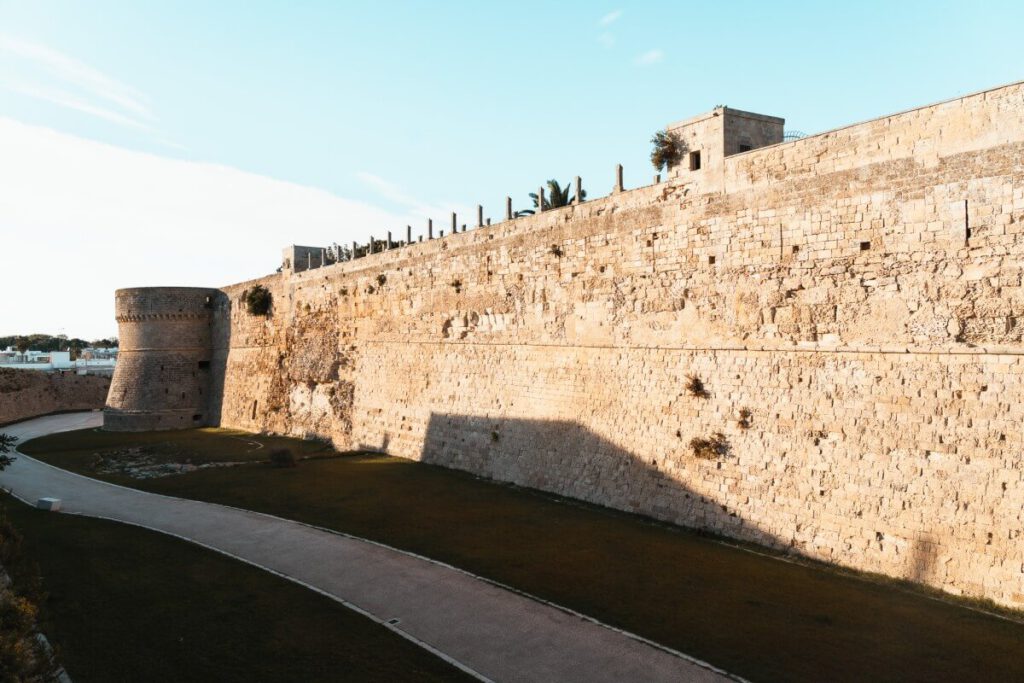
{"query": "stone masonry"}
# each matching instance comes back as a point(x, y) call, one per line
point(31, 393)
point(852, 303)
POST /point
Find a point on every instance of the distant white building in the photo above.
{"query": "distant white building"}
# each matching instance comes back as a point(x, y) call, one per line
point(92, 361)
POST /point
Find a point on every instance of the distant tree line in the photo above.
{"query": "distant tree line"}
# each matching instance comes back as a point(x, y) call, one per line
point(47, 343)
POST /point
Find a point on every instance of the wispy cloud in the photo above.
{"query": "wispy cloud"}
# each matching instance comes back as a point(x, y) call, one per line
point(650, 57)
point(606, 38)
point(70, 101)
point(388, 190)
point(86, 196)
point(413, 207)
point(76, 86)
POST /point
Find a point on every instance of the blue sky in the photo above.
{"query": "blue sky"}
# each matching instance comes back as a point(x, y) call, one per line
point(246, 126)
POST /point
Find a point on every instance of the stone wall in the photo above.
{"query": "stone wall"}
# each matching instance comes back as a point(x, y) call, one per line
point(858, 292)
point(30, 393)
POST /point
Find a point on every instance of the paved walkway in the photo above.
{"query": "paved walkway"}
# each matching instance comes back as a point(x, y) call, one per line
point(493, 633)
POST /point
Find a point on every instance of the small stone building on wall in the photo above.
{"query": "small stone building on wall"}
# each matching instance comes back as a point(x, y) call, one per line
point(722, 132)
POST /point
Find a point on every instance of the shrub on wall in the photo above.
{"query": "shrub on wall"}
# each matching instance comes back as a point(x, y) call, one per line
point(711, 447)
point(668, 150)
point(257, 300)
point(695, 385)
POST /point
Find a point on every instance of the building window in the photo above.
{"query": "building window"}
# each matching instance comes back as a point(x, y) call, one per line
point(745, 147)
point(694, 161)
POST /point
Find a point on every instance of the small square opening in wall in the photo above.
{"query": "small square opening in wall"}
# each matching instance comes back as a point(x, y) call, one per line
point(694, 161)
point(865, 246)
point(711, 260)
point(796, 249)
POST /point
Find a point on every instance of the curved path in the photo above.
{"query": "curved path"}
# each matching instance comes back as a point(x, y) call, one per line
point(485, 629)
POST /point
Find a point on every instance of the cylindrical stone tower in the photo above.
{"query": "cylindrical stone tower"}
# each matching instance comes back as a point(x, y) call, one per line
point(162, 376)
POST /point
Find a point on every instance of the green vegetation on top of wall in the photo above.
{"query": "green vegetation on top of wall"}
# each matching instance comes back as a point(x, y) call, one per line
point(258, 300)
point(668, 149)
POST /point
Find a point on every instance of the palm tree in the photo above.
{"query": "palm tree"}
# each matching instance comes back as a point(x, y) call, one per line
point(555, 197)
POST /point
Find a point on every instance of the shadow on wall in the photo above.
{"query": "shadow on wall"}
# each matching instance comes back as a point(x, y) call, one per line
point(220, 343)
point(568, 459)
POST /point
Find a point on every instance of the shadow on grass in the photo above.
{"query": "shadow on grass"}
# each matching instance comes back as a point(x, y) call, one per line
point(751, 614)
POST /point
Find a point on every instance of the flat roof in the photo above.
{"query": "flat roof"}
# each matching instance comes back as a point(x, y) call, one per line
point(727, 111)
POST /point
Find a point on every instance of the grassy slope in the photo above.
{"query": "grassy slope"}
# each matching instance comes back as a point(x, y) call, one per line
point(126, 604)
point(76, 450)
point(755, 616)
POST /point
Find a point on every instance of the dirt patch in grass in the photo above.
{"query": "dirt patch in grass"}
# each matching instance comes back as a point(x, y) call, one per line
point(126, 604)
point(753, 615)
point(145, 463)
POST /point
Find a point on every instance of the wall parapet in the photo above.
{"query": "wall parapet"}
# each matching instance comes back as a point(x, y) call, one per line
point(881, 139)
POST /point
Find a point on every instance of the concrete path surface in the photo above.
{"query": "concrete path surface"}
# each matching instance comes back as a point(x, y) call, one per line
point(488, 631)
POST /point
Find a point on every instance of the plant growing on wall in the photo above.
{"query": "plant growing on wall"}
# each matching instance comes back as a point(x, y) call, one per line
point(711, 447)
point(695, 385)
point(257, 300)
point(668, 150)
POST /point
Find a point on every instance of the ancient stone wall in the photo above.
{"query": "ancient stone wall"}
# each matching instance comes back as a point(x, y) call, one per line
point(30, 393)
point(849, 302)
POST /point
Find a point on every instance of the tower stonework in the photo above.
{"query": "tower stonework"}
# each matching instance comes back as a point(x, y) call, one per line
point(852, 304)
point(162, 377)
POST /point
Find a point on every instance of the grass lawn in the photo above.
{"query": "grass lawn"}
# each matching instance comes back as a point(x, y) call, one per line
point(127, 604)
point(73, 450)
point(756, 616)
